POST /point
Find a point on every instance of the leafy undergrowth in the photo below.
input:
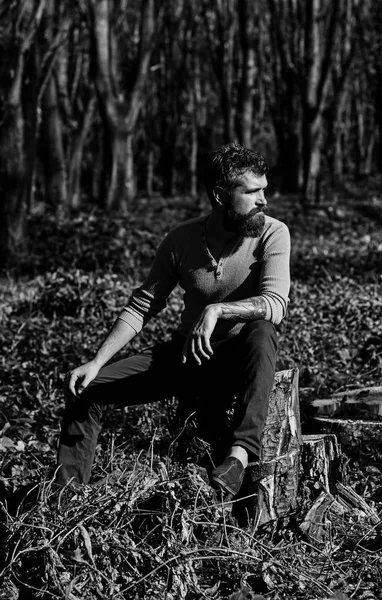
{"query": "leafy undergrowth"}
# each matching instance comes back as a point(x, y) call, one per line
point(153, 529)
point(156, 531)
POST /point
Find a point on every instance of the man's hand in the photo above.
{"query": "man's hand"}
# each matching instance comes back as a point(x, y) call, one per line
point(197, 345)
point(78, 379)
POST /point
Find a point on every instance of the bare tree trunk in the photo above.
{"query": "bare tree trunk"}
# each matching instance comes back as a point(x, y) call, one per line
point(195, 101)
point(167, 156)
point(369, 158)
point(313, 102)
point(286, 99)
point(309, 62)
point(56, 189)
point(366, 126)
point(222, 47)
point(31, 128)
point(120, 113)
point(338, 163)
point(247, 85)
point(312, 158)
point(130, 182)
point(12, 156)
point(12, 172)
point(75, 160)
point(150, 172)
point(226, 85)
point(98, 189)
point(290, 145)
point(378, 101)
point(338, 133)
point(322, 61)
point(194, 158)
point(168, 164)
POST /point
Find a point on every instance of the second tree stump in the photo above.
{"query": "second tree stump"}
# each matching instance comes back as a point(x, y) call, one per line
point(269, 490)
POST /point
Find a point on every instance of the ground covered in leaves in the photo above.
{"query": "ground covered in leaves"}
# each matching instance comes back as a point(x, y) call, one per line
point(151, 527)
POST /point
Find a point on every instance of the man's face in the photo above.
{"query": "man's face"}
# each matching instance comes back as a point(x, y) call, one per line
point(243, 208)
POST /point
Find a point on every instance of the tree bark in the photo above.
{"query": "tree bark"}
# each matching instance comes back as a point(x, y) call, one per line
point(366, 130)
point(316, 92)
point(150, 173)
point(305, 69)
point(12, 172)
point(317, 522)
point(338, 136)
point(322, 466)
point(120, 110)
point(130, 182)
point(357, 403)
point(343, 506)
point(31, 126)
point(76, 152)
point(56, 189)
point(194, 146)
point(12, 155)
point(285, 98)
point(247, 16)
point(356, 435)
point(269, 490)
point(221, 38)
point(56, 182)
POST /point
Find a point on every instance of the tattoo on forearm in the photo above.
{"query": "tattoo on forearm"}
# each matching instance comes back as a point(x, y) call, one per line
point(244, 310)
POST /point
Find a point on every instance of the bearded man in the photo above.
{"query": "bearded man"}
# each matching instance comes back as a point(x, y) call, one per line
point(233, 265)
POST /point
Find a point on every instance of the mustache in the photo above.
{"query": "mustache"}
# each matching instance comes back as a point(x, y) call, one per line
point(232, 214)
point(256, 211)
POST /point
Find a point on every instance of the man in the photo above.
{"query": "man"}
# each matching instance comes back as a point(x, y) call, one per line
point(233, 265)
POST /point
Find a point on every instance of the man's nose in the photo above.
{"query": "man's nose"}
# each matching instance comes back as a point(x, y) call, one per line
point(260, 199)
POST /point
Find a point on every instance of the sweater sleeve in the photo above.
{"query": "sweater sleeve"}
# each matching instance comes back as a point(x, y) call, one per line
point(151, 297)
point(275, 276)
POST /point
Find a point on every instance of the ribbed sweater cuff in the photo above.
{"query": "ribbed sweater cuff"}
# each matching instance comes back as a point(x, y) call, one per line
point(132, 319)
point(268, 315)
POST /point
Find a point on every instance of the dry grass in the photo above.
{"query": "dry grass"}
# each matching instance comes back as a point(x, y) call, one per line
point(154, 529)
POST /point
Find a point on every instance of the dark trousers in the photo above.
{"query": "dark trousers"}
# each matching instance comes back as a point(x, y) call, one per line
point(243, 366)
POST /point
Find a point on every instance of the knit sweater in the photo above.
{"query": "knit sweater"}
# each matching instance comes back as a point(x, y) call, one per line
point(247, 267)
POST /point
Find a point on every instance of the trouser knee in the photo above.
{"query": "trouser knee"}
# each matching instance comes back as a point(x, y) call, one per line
point(79, 408)
point(259, 335)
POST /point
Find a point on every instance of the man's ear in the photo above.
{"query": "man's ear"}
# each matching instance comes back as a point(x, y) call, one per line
point(219, 195)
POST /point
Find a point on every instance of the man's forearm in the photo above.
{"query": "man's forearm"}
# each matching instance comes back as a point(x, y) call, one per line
point(120, 334)
point(243, 310)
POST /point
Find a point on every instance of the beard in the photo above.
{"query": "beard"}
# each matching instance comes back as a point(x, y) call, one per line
point(250, 225)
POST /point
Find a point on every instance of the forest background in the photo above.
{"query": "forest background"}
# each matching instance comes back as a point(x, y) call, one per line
point(107, 111)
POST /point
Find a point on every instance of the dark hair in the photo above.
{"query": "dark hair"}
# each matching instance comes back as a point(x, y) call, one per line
point(224, 166)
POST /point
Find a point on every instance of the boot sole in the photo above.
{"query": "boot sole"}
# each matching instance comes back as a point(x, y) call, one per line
point(218, 483)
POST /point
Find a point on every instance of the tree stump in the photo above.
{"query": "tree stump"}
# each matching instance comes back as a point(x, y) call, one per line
point(322, 465)
point(361, 403)
point(355, 416)
point(357, 436)
point(270, 488)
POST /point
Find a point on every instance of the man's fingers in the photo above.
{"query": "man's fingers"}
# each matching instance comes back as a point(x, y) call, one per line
point(194, 352)
point(185, 351)
point(199, 347)
point(72, 384)
point(208, 346)
point(196, 347)
point(84, 384)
